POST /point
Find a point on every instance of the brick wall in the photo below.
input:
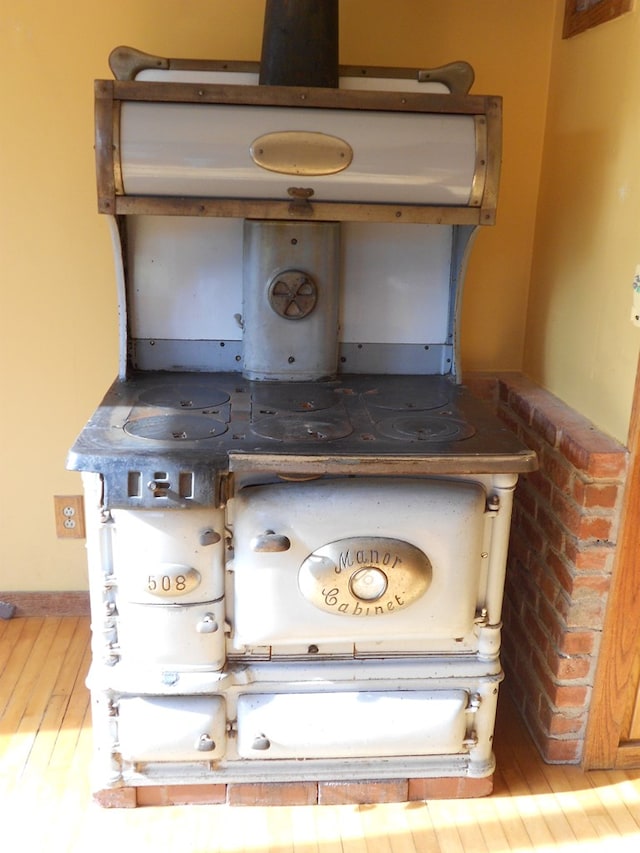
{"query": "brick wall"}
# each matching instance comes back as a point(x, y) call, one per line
point(565, 524)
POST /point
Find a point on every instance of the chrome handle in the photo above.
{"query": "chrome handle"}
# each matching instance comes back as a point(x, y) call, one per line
point(209, 536)
point(205, 743)
point(207, 625)
point(270, 542)
point(261, 742)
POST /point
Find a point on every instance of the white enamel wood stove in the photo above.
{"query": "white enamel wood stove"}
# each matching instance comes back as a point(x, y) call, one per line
point(297, 516)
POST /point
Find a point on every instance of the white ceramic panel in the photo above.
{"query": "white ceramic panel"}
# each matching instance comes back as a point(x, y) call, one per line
point(351, 725)
point(395, 283)
point(445, 520)
point(159, 75)
point(185, 280)
point(243, 78)
point(170, 149)
point(185, 277)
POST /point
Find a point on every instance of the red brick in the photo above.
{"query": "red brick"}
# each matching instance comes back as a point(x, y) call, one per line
point(552, 530)
point(593, 453)
point(552, 619)
point(116, 798)
point(543, 422)
point(503, 390)
point(556, 723)
point(557, 469)
point(597, 527)
point(518, 551)
point(577, 642)
point(482, 385)
point(526, 497)
point(522, 405)
point(450, 788)
point(589, 556)
point(529, 530)
point(560, 567)
point(595, 494)
point(568, 668)
point(539, 485)
point(556, 751)
point(583, 613)
point(272, 794)
point(536, 632)
point(540, 671)
point(532, 440)
point(569, 695)
point(591, 584)
point(181, 795)
point(339, 793)
point(510, 420)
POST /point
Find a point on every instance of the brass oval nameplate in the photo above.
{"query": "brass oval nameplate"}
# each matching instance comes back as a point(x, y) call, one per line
point(171, 579)
point(365, 576)
point(301, 152)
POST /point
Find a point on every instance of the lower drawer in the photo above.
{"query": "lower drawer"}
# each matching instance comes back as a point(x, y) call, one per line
point(161, 728)
point(352, 724)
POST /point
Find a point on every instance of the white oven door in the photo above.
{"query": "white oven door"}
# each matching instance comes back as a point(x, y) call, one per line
point(381, 563)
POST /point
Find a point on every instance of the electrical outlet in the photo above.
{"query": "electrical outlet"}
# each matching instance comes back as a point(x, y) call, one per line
point(69, 510)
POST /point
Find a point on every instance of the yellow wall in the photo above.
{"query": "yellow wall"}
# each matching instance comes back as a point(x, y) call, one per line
point(580, 342)
point(58, 346)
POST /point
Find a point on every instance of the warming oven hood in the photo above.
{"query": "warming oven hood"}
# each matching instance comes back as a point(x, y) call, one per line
point(217, 144)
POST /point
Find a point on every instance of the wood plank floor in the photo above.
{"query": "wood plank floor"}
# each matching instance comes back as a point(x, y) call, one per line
point(45, 800)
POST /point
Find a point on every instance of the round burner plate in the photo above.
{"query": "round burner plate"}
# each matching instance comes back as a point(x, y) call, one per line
point(403, 400)
point(299, 428)
point(293, 397)
point(420, 427)
point(181, 397)
point(175, 428)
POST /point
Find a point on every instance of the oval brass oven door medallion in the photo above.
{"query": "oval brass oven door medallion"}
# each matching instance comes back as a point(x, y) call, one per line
point(301, 152)
point(365, 576)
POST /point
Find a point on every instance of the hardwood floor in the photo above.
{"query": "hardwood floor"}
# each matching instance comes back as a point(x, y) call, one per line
point(45, 799)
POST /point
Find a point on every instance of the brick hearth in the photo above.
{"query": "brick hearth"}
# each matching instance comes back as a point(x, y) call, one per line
point(565, 525)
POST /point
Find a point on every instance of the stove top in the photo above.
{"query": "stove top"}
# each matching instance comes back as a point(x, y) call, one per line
point(424, 424)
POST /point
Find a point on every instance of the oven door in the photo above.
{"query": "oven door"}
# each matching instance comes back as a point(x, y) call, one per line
point(371, 565)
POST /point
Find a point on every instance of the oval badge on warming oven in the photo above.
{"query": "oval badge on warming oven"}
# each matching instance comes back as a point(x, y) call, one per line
point(301, 152)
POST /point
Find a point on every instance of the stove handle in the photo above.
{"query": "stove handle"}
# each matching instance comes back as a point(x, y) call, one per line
point(261, 742)
point(207, 625)
point(270, 542)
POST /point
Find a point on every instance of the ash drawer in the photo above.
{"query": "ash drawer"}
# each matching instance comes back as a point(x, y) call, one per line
point(176, 728)
point(352, 725)
point(188, 636)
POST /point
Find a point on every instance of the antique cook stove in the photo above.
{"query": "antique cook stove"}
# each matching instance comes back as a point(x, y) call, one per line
point(297, 516)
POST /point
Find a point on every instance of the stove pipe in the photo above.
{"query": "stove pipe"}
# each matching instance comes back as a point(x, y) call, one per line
point(300, 43)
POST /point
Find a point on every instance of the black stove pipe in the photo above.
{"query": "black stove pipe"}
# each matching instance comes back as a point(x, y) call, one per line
point(300, 43)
